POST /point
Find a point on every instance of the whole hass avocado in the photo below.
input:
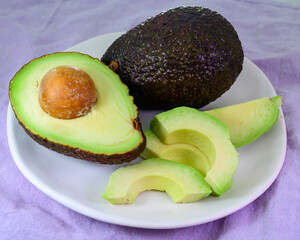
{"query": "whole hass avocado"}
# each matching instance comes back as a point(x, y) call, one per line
point(186, 56)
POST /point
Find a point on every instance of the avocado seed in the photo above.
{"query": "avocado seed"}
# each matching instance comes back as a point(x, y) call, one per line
point(67, 92)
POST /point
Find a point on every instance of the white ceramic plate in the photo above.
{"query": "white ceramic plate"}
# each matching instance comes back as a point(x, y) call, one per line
point(79, 185)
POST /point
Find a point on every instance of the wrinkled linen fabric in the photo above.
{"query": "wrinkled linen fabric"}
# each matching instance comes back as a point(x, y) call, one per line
point(270, 34)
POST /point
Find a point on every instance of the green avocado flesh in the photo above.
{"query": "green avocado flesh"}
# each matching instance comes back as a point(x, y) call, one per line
point(109, 128)
point(186, 56)
point(248, 121)
point(180, 152)
point(188, 126)
point(181, 182)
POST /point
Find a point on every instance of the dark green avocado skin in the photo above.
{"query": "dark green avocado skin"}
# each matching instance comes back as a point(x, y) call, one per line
point(186, 56)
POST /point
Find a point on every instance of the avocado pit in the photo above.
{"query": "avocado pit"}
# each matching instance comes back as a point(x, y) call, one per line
point(67, 92)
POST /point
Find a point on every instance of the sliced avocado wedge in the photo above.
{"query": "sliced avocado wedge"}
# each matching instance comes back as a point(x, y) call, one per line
point(183, 183)
point(205, 132)
point(109, 133)
point(180, 152)
point(248, 121)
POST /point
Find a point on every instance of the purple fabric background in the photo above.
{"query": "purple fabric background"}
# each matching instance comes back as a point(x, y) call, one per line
point(270, 33)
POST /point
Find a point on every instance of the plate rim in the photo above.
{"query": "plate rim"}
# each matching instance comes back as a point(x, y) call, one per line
point(120, 220)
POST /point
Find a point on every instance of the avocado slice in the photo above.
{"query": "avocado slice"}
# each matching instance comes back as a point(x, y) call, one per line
point(183, 183)
point(248, 121)
point(186, 56)
point(109, 133)
point(205, 132)
point(179, 152)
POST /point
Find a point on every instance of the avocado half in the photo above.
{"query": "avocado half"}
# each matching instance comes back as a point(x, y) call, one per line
point(186, 56)
point(110, 133)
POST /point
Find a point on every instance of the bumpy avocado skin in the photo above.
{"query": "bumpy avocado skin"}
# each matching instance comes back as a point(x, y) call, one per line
point(185, 56)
